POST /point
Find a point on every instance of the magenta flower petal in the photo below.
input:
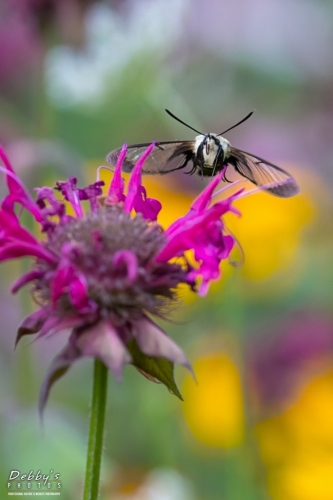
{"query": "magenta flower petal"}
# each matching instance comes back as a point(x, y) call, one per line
point(55, 324)
point(204, 199)
point(99, 341)
point(116, 189)
point(32, 323)
point(136, 197)
point(62, 278)
point(148, 207)
point(71, 194)
point(91, 193)
point(11, 225)
point(102, 341)
point(15, 250)
point(79, 297)
point(188, 234)
point(155, 207)
point(26, 278)
point(193, 218)
point(154, 342)
point(18, 193)
point(129, 258)
point(228, 245)
point(50, 323)
point(53, 206)
point(60, 284)
point(57, 369)
point(78, 292)
point(203, 233)
point(134, 186)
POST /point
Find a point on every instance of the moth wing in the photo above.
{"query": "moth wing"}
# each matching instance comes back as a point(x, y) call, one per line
point(165, 157)
point(261, 172)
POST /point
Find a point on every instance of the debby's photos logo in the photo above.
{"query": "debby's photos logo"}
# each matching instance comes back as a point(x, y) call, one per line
point(33, 483)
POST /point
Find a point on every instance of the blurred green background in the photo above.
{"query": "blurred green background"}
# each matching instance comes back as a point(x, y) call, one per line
point(79, 78)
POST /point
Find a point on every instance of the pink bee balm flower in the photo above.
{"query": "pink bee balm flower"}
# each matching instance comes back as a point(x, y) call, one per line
point(106, 271)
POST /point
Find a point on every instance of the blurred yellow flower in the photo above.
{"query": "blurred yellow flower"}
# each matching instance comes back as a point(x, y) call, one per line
point(213, 408)
point(175, 203)
point(270, 230)
point(296, 446)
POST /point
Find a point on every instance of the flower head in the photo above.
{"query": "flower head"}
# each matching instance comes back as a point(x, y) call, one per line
point(105, 272)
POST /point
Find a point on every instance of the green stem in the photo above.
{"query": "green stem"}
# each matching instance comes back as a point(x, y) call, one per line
point(96, 431)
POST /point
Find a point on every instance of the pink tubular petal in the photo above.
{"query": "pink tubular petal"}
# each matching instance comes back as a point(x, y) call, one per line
point(136, 198)
point(185, 236)
point(8, 220)
point(55, 324)
point(154, 208)
point(67, 280)
point(71, 194)
point(148, 207)
point(204, 287)
point(32, 323)
point(78, 293)
point(204, 199)
point(229, 243)
point(92, 193)
point(202, 232)
point(194, 218)
point(50, 323)
point(26, 278)
point(18, 193)
point(208, 272)
point(99, 341)
point(102, 341)
point(15, 250)
point(58, 368)
point(61, 281)
point(10, 224)
point(134, 186)
point(65, 324)
point(53, 206)
point(116, 189)
point(154, 342)
point(131, 261)
point(13, 182)
point(209, 254)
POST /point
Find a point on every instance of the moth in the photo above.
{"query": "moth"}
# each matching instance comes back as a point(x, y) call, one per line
point(208, 155)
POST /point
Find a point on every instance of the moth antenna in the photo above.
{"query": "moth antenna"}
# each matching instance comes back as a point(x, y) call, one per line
point(234, 126)
point(183, 123)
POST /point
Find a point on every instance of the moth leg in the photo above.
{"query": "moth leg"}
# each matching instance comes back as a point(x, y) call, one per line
point(190, 172)
point(217, 160)
point(224, 178)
